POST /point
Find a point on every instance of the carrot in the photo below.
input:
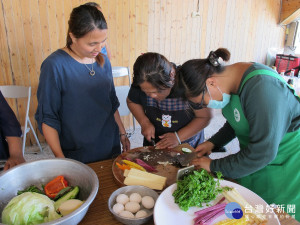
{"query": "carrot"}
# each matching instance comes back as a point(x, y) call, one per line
point(133, 165)
point(123, 166)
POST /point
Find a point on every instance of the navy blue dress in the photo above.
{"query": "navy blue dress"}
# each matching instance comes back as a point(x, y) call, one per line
point(79, 106)
point(9, 126)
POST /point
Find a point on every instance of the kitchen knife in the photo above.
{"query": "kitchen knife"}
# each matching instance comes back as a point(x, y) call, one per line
point(153, 142)
point(184, 171)
point(186, 158)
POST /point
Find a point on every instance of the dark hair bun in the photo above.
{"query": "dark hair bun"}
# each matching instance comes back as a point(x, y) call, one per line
point(223, 53)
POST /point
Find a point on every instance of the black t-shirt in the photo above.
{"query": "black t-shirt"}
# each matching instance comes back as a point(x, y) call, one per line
point(168, 115)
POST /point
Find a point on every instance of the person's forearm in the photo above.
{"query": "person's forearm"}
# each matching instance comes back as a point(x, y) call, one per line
point(51, 136)
point(15, 152)
point(138, 112)
point(192, 128)
point(201, 120)
point(14, 146)
point(223, 136)
point(119, 122)
point(123, 135)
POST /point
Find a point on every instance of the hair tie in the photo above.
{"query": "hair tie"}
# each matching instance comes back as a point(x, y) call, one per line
point(213, 59)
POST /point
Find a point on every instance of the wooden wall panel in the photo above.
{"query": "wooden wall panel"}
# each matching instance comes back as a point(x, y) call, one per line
point(246, 27)
point(30, 30)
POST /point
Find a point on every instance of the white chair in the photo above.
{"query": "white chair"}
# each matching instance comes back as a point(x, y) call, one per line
point(122, 92)
point(17, 92)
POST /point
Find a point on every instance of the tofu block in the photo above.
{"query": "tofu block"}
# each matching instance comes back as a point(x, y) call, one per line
point(138, 177)
point(126, 173)
point(147, 183)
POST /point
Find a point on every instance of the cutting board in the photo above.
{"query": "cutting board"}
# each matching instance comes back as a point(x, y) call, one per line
point(160, 159)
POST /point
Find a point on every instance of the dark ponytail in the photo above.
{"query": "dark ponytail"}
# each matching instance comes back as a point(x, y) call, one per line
point(84, 19)
point(191, 76)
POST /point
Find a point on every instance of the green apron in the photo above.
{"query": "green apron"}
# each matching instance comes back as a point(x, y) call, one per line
point(279, 181)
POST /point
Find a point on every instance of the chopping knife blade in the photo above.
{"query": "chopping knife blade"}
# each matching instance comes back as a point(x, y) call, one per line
point(153, 142)
point(186, 158)
point(184, 171)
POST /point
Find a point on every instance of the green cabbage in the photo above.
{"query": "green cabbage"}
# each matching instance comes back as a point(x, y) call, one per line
point(29, 209)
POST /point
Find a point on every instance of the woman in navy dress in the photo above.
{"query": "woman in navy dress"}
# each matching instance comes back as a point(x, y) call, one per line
point(77, 104)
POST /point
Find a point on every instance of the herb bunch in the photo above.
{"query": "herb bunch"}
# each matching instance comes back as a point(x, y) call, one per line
point(197, 188)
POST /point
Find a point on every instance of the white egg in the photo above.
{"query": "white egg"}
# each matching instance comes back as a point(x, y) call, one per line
point(135, 197)
point(140, 214)
point(148, 202)
point(126, 214)
point(118, 207)
point(122, 198)
point(132, 207)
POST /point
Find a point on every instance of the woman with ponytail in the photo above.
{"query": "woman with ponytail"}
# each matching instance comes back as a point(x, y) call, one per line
point(262, 111)
point(77, 103)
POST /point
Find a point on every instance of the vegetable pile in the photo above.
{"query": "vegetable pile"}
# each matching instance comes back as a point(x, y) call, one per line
point(197, 188)
point(251, 216)
point(35, 206)
point(208, 215)
point(140, 165)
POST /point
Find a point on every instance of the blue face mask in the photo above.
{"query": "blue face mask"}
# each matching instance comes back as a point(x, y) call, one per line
point(214, 104)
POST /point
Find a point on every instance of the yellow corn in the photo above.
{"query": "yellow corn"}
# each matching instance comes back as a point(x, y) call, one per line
point(133, 165)
point(241, 221)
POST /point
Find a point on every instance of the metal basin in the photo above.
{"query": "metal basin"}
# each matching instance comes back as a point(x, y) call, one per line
point(42, 171)
point(143, 191)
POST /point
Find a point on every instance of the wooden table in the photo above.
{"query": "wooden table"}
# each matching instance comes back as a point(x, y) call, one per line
point(99, 213)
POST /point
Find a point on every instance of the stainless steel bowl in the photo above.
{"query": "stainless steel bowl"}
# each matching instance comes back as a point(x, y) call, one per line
point(143, 191)
point(42, 171)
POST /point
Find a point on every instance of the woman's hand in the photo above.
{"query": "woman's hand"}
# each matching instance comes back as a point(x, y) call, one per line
point(125, 143)
point(148, 130)
point(15, 152)
point(204, 149)
point(168, 140)
point(202, 162)
point(13, 161)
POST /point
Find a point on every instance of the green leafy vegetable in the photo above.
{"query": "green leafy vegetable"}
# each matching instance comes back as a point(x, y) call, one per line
point(28, 209)
point(197, 188)
point(31, 188)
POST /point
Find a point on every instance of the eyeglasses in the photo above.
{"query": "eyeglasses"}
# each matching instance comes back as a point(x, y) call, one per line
point(200, 105)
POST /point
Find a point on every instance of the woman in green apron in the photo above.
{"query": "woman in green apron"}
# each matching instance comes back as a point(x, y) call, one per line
point(164, 117)
point(263, 112)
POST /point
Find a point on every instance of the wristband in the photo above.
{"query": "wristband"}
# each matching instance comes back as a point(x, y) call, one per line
point(177, 138)
point(124, 135)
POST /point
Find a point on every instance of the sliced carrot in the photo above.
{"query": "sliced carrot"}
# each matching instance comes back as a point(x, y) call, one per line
point(123, 166)
point(133, 165)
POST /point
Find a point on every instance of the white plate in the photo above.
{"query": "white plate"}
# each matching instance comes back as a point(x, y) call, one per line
point(166, 211)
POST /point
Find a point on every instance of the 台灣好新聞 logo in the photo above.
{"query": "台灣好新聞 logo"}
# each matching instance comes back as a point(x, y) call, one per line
point(233, 210)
